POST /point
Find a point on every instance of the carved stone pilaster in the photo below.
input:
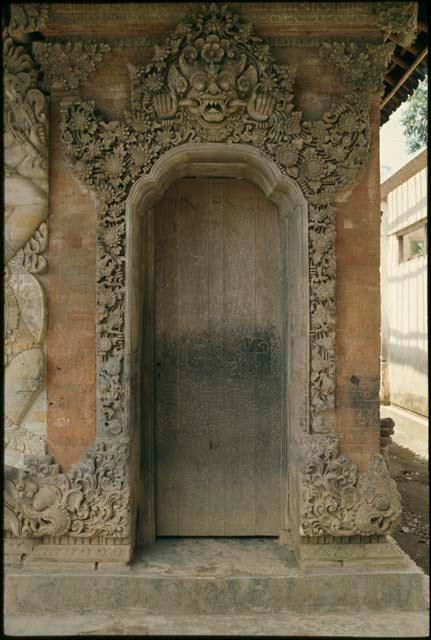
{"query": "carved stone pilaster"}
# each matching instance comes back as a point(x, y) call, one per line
point(67, 65)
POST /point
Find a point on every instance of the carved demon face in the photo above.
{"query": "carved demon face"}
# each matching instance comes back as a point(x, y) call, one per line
point(210, 81)
point(215, 88)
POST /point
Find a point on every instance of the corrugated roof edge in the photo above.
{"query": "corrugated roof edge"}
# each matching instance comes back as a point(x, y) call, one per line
point(415, 164)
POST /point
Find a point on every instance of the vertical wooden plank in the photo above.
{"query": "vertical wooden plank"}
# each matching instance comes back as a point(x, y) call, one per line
point(268, 370)
point(215, 379)
point(147, 513)
point(218, 420)
point(166, 300)
point(239, 213)
point(193, 402)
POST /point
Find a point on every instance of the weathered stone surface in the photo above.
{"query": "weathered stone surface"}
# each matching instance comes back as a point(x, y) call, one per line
point(26, 239)
point(195, 576)
point(92, 500)
point(352, 624)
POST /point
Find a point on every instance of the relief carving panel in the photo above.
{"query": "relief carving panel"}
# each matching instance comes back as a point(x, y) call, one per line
point(26, 239)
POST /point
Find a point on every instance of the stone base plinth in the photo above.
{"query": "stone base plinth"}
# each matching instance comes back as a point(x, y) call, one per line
point(213, 576)
point(66, 553)
point(382, 554)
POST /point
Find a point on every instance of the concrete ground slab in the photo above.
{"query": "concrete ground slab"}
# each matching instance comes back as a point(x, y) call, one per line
point(411, 429)
point(388, 624)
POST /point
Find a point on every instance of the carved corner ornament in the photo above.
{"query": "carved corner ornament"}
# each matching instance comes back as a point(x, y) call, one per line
point(67, 65)
point(91, 500)
point(361, 65)
point(27, 18)
point(337, 500)
point(398, 19)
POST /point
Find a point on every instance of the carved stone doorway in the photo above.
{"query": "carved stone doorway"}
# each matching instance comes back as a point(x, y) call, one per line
point(217, 351)
point(279, 195)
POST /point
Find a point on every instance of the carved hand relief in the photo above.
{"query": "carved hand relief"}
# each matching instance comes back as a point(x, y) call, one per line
point(26, 237)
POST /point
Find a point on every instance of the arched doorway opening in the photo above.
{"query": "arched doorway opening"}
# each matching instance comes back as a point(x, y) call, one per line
point(143, 374)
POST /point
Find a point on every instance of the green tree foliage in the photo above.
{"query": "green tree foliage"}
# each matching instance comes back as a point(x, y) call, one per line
point(414, 119)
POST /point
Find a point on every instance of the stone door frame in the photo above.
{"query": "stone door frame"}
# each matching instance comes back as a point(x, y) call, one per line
point(209, 160)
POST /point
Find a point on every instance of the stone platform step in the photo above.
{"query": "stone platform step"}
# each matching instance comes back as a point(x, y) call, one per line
point(352, 624)
point(213, 577)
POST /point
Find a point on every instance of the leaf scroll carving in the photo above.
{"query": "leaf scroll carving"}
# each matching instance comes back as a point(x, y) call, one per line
point(337, 500)
point(91, 500)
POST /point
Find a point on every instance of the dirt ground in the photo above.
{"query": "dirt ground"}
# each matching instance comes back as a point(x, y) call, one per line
point(411, 475)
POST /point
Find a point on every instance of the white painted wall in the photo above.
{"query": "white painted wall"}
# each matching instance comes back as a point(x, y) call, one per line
point(404, 291)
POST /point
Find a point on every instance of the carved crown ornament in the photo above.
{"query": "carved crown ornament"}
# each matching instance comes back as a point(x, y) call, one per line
point(213, 80)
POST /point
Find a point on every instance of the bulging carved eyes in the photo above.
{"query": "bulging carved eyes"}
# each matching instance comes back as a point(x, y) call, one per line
point(224, 84)
point(200, 84)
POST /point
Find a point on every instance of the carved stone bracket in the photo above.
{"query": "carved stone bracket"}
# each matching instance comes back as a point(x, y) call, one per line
point(68, 65)
point(91, 500)
point(337, 500)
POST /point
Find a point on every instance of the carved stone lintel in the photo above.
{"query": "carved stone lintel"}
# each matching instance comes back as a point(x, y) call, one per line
point(337, 500)
point(68, 65)
point(91, 500)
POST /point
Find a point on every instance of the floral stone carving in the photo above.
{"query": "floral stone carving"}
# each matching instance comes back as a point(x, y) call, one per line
point(213, 80)
point(91, 500)
point(337, 500)
point(399, 18)
point(26, 237)
point(27, 17)
point(68, 65)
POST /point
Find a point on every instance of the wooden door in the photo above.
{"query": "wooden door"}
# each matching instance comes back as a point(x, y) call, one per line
point(217, 355)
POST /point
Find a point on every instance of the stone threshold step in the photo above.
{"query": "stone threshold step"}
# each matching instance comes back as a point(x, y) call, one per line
point(195, 576)
point(360, 624)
